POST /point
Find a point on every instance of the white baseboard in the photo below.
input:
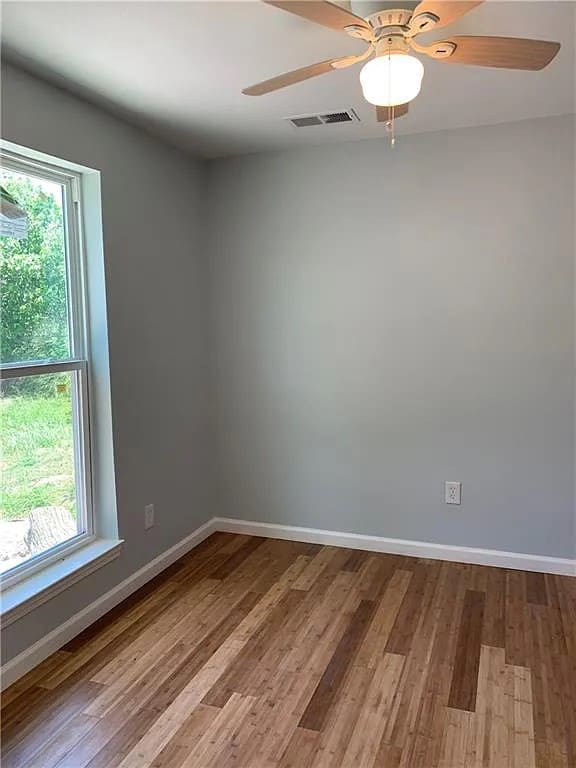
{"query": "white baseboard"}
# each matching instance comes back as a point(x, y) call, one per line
point(31, 657)
point(498, 558)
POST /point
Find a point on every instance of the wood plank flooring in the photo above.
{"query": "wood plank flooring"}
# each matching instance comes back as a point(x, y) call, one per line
point(261, 653)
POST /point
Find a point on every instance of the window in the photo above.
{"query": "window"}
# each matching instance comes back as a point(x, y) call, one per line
point(45, 474)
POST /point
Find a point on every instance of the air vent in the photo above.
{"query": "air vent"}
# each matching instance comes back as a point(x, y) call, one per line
point(337, 117)
point(324, 118)
point(304, 122)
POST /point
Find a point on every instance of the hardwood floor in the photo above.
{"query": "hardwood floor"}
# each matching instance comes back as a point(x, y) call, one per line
point(257, 652)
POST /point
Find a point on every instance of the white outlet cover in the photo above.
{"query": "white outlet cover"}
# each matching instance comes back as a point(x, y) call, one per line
point(452, 492)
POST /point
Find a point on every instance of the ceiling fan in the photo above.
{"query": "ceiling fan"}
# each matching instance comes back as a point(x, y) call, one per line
point(392, 76)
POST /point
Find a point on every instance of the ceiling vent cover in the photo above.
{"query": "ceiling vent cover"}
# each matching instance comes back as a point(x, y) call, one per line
point(324, 118)
point(337, 117)
point(304, 122)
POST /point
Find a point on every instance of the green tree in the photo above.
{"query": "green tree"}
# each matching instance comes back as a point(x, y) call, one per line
point(33, 308)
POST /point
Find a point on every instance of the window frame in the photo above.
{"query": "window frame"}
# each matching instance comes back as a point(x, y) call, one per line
point(77, 362)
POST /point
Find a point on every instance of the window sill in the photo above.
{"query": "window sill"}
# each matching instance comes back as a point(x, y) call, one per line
point(23, 597)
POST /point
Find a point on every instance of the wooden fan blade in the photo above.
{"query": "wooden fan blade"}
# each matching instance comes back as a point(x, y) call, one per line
point(446, 11)
point(289, 78)
point(383, 114)
point(322, 12)
point(505, 52)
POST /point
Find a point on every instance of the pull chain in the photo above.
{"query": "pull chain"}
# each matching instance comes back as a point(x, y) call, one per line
point(390, 123)
point(391, 126)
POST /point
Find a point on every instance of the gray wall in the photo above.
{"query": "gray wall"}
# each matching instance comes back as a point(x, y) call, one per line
point(155, 264)
point(385, 320)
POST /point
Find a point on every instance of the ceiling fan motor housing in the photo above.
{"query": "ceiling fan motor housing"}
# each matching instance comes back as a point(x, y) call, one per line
point(388, 22)
point(393, 18)
point(394, 42)
point(367, 8)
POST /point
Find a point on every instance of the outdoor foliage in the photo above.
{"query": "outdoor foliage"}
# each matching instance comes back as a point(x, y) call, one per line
point(37, 454)
point(33, 316)
point(35, 412)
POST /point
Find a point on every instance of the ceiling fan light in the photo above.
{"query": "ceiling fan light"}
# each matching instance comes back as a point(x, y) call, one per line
point(391, 79)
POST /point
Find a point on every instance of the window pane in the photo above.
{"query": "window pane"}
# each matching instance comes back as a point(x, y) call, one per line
point(34, 318)
point(38, 506)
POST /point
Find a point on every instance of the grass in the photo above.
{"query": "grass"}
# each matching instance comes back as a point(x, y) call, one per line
point(37, 467)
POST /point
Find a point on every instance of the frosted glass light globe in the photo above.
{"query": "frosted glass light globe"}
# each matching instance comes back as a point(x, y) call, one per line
point(391, 79)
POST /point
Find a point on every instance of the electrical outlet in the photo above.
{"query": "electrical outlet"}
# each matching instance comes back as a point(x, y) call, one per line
point(452, 492)
point(148, 515)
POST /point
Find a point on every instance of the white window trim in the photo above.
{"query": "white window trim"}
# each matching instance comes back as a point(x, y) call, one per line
point(38, 579)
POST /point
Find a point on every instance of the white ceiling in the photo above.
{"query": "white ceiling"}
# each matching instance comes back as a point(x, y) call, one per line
point(179, 67)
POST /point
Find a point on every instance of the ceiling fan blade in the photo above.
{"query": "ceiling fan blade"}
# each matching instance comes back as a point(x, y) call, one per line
point(445, 10)
point(305, 73)
point(505, 52)
point(290, 78)
point(322, 12)
point(384, 114)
